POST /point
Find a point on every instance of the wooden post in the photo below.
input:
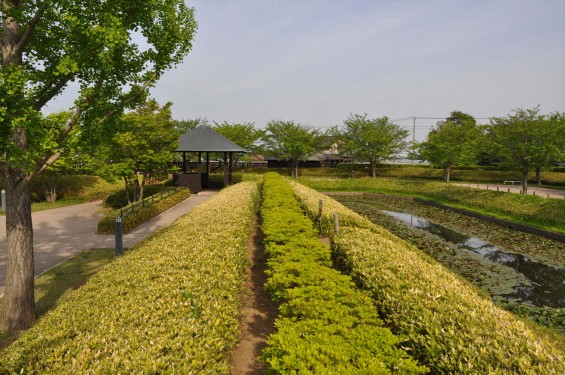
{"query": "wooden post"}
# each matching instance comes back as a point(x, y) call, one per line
point(184, 162)
point(320, 207)
point(230, 167)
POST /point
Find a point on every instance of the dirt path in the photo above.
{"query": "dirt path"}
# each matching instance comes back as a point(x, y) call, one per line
point(517, 189)
point(258, 311)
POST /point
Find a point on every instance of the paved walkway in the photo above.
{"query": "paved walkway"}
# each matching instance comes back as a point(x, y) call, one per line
point(61, 233)
point(517, 189)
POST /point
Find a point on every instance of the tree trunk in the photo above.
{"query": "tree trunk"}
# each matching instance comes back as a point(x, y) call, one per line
point(373, 169)
point(525, 181)
point(18, 310)
point(446, 174)
point(126, 182)
point(136, 189)
point(538, 175)
point(141, 186)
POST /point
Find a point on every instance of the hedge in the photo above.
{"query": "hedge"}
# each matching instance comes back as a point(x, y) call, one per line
point(325, 325)
point(119, 199)
point(106, 225)
point(169, 305)
point(85, 188)
point(450, 328)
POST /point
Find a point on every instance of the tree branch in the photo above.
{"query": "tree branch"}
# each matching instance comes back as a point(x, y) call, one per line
point(51, 91)
point(31, 27)
point(51, 157)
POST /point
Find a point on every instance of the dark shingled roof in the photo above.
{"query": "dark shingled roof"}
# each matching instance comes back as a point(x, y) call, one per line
point(204, 139)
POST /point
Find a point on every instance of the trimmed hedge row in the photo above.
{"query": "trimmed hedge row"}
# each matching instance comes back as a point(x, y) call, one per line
point(170, 305)
point(450, 328)
point(106, 225)
point(526, 208)
point(325, 324)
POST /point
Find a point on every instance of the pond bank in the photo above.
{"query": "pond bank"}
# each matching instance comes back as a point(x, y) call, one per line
point(500, 280)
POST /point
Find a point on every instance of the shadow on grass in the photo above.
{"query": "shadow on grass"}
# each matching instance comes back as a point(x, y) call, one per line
point(57, 284)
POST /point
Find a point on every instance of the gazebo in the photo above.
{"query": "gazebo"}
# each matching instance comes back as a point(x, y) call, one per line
point(203, 139)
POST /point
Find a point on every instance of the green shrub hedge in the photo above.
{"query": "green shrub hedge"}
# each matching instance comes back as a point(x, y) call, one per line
point(85, 188)
point(170, 305)
point(325, 324)
point(546, 213)
point(450, 328)
point(119, 198)
point(106, 225)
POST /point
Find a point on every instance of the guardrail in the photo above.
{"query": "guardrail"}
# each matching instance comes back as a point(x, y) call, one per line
point(146, 202)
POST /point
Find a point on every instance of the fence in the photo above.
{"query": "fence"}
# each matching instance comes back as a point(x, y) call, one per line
point(146, 202)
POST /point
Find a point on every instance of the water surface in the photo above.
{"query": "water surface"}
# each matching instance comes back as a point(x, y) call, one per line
point(547, 283)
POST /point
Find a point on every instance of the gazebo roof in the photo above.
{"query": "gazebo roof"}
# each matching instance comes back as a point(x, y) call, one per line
point(204, 139)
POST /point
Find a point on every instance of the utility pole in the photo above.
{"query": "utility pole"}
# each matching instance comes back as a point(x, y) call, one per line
point(413, 138)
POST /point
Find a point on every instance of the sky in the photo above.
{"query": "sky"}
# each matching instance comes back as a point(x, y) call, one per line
point(317, 61)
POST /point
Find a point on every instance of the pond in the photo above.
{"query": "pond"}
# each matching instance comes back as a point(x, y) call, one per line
point(546, 286)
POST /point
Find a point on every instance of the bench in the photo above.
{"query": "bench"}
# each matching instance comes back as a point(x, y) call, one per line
point(512, 182)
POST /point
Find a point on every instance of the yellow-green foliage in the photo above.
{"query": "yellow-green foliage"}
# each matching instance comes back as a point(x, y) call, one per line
point(106, 225)
point(86, 188)
point(450, 328)
point(170, 305)
point(325, 324)
point(547, 212)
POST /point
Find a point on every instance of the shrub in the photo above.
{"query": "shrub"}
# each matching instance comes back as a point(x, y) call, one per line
point(169, 305)
point(325, 324)
point(450, 328)
point(106, 225)
point(119, 198)
point(85, 188)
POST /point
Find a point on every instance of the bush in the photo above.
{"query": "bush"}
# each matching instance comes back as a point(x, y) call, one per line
point(106, 225)
point(119, 198)
point(169, 305)
point(324, 323)
point(85, 188)
point(450, 328)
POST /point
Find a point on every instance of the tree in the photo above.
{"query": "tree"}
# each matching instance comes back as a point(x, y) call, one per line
point(244, 135)
point(452, 142)
point(373, 140)
point(184, 126)
point(142, 144)
point(291, 141)
point(552, 149)
point(108, 52)
point(527, 140)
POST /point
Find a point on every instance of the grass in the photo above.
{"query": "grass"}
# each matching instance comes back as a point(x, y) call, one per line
point(43, 206)
point(545, 213)
point(57, 284)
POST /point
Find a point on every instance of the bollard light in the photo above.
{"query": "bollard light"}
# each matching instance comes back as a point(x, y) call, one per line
point(118, 230)
point(4, 200)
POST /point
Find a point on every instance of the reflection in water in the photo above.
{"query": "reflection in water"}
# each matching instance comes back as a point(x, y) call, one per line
point(548, 283)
